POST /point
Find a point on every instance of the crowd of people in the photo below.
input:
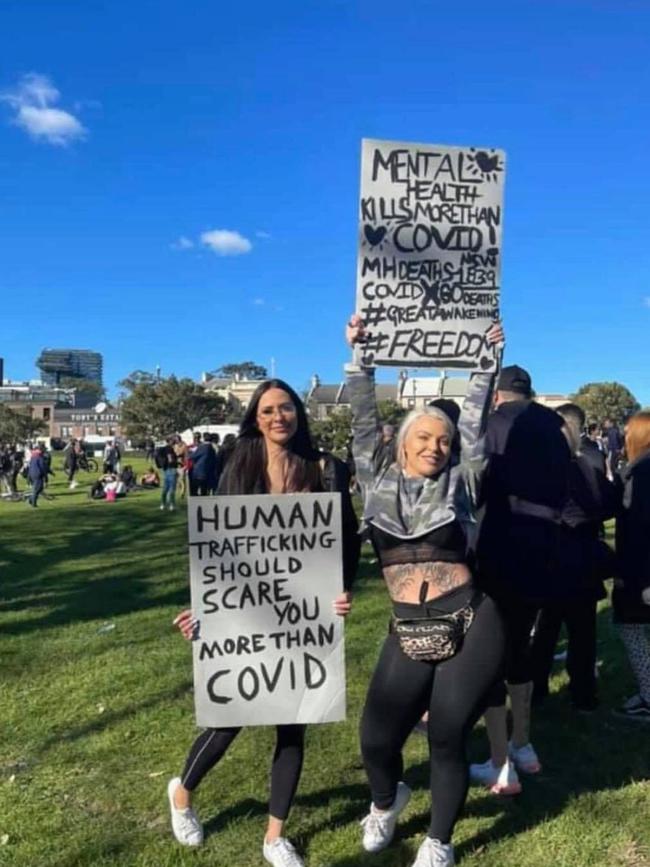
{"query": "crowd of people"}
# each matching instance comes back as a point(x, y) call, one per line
point(487, 525)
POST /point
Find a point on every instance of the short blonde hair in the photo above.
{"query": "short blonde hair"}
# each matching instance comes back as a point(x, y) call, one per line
point(637, 435)
point(409, 421)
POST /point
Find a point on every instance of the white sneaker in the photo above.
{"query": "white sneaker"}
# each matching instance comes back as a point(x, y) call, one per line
point(433, 853)
point(379, 825)
point(500, 781)
point(185, 823)
point(525, 758)
point(162, 507)
point(171, 508)
point(281, 853)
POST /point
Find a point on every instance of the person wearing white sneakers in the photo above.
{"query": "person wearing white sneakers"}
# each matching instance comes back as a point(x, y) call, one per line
point(273, 455)
point(521, 558)
point(445, 644)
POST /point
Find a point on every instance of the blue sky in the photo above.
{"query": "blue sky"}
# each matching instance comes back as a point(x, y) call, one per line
point(133, 135)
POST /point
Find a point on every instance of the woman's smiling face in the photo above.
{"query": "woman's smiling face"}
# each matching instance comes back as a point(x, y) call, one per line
point(427, 447)
point(276, 417)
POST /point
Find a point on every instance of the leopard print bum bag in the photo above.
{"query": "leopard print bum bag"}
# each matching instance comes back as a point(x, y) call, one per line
point(434, 638)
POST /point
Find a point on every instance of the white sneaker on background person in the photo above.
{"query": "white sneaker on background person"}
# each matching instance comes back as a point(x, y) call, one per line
point(185, 823)
point(433, 853)
point(525, 758)
point(280, 853)
point(379, 825)
point(500, 781)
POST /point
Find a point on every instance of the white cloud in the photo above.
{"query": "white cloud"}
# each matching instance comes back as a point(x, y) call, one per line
point(225, 242)
point(183, 243)
point(264, 235)
point(259, 302)
point(32, 101)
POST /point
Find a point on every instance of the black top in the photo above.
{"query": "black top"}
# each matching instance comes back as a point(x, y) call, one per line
point(446, 544)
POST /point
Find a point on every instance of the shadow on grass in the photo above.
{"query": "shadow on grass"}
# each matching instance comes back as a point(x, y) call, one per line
point(581, 755)
point(125, 546)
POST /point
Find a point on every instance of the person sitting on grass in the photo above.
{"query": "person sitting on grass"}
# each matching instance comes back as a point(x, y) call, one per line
point(127, 476)
point(150, 479)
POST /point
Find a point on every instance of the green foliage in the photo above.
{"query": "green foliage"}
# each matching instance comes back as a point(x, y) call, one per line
point(84, 387)
point(390, 412)
point(159, 407)
point(19, 425)
point(242, 370)
point(334, 432)
point(606, 400)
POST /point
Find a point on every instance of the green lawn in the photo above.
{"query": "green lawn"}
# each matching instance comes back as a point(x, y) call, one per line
point(94, 721)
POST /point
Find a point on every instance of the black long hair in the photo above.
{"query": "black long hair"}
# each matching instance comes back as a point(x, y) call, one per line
point(245, 471)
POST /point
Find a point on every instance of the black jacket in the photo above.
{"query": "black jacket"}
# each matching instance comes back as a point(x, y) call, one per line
point(633, 542)
point(204, 462)
point(526, 486)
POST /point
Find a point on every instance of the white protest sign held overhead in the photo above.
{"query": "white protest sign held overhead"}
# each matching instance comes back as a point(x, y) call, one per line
point(264, 572)
point(428, 270)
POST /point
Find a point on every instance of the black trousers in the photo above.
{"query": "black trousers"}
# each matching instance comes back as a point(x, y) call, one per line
point(579, 616)
point(37, 489)
point(519, 617)
point(453, 692)
point(199, 487)
point(211, 745)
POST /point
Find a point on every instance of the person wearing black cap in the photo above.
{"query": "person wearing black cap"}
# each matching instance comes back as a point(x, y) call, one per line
point(524, 492)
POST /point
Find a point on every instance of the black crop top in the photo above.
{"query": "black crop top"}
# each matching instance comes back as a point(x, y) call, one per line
point(446, 544)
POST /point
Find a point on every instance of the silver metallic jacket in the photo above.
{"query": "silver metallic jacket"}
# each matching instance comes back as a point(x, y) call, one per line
point(451, 495)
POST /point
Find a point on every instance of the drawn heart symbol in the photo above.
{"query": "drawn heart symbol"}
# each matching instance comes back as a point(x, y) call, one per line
point(487, 163)
point(374, 236)
point(487, 363)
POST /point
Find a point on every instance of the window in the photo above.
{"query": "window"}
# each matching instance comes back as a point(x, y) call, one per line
point(46, 413)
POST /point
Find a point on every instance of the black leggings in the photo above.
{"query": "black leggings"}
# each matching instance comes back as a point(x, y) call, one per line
point(211, 745)
point(453, 692)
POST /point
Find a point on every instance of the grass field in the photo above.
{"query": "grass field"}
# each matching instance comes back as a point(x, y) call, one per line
point(96, 714)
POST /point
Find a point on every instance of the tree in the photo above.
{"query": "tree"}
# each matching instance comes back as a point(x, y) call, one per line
point(160, 407)
point(86, 387)
point(20, 425)
point(602, 400)
point(333, 433)
point(243, 370)
point(390, 412)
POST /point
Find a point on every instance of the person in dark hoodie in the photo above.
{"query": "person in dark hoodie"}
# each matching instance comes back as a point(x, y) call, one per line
point(524, 492)
point(37, 473)
point(203, 472)
point(631, 596)
point(592, 500)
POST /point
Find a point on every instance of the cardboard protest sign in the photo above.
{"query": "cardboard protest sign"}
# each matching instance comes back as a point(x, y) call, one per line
point(428, 271)
point(264, 571)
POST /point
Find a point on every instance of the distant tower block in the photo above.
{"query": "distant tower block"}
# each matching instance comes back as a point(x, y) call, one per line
point(56, 364)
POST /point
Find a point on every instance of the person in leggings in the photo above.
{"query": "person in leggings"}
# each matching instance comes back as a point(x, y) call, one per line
point(419, 513)
point(274, 455)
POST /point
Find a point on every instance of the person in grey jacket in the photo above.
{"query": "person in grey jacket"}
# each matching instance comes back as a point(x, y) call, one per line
point(420, 515)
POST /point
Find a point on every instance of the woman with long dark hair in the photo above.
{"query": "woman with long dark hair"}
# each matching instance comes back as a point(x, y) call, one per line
point(273, 455)
point(445, 645)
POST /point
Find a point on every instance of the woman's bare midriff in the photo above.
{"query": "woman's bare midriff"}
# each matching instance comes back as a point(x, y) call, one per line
point(404, 580)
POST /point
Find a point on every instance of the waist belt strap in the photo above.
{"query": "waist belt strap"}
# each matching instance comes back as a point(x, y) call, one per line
point(519, 506)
